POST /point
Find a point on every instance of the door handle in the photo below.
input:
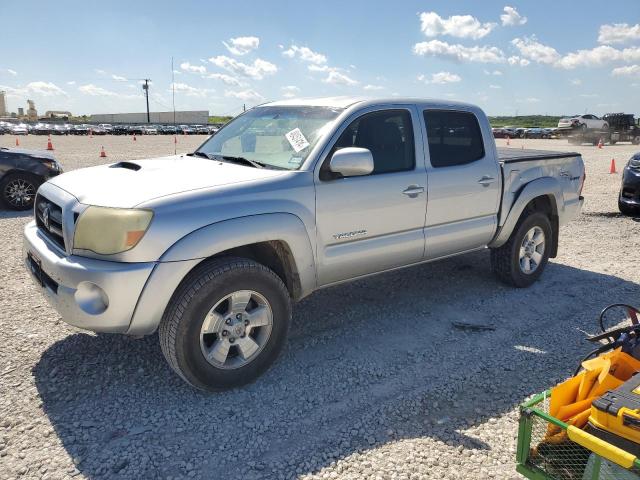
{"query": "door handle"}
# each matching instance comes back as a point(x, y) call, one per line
point(486, 180)
point(413, 191)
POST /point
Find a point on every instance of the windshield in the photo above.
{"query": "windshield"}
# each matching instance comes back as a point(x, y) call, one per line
point(279, 137)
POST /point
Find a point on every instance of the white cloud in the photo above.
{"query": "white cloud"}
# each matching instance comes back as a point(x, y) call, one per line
point(242, 45)
point(511, 17)
point(118, 78)
point(516, 60)
point(45, 89)
point(619, 33)
point(440, 78)
point(245, 95)
point(187, 67)
point(71, 82)
point(533, 50)
point(461, 26)
point(529, 100)
point(290, 91)
point(575, 81)
point(628, 70)
point(496, 73)
point(495, 87)
point(95, 91)
point(337, 78)
point(226, 79)
point(460, 53)
point(599, 56)
point(320, 68)
point(305, 54)
point(256, 70)
point(530, 48)
point(371, 87)
point(12, 72)
point(189, 90)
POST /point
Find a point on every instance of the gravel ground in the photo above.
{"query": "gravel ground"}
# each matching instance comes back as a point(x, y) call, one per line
point(375, 383)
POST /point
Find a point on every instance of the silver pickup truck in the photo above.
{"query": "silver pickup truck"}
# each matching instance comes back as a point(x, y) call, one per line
point(211, 248)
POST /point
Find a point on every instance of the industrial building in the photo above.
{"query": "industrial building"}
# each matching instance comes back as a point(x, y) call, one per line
point(181, 117)
point(3, 104)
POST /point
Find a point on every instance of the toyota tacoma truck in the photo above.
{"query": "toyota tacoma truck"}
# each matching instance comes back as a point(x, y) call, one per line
point(211, 248)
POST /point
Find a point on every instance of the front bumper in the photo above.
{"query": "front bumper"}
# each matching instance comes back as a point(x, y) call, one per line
point(630, 189)
point(91, 294)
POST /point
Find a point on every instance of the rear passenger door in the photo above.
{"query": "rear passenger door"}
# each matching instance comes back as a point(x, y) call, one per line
point(464, 183)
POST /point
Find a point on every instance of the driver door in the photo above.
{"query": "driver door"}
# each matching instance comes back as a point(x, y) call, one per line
point(372, 223)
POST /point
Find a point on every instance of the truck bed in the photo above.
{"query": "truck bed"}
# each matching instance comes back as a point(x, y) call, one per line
point(513, 155)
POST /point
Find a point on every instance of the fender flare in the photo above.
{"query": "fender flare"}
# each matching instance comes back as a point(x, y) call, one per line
point(179, 259)
point(542, 187)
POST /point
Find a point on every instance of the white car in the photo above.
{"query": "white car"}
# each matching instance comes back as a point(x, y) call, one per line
point(19, 130)
point(149, 130)
point(584, 122)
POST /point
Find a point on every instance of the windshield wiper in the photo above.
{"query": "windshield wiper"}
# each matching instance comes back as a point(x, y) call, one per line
point(245, 161)
point(199, 154)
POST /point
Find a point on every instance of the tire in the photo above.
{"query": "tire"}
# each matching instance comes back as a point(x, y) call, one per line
point(181, 334)
point(18, 190)
point(636, 140)
point(505, 260)
point(583, 127)
point(628, 210)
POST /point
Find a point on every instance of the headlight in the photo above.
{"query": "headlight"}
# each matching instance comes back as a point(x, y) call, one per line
point(634, 163)
point(111, 230)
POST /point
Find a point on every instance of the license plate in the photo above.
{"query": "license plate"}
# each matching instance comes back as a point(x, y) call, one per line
point(36, 267)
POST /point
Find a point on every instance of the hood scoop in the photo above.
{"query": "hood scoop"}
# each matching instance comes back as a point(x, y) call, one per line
point(126, 165)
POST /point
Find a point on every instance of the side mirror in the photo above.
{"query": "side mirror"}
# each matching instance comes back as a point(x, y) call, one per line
point(352, 162)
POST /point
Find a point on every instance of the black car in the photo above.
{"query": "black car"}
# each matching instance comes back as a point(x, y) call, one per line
point(629, 198)
point(135, 130)
point(167, 130)
point(120, 130)
point(21, 173)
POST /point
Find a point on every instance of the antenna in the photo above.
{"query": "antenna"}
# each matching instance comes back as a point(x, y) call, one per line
point(173, 102)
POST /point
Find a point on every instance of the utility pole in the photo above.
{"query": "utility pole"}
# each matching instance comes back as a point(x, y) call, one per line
point(244, 107)
point(145, 87)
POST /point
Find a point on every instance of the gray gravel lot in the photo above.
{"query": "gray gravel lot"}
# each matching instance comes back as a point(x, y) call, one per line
point(374, 383)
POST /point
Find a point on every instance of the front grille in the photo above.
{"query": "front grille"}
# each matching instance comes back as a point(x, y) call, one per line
point(49, 220)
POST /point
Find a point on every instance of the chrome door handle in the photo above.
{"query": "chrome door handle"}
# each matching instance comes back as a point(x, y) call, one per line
point(486, 180)
point(413, 191)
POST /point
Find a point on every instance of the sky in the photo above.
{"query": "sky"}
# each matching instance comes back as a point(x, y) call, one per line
point(524, 57)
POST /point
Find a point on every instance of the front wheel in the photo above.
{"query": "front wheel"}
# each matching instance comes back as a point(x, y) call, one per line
point(521, 260)
point(226, 323)
point(628, 210)
point(19, 190)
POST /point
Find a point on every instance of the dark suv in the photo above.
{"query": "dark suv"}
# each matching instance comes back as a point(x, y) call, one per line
point(629, 198)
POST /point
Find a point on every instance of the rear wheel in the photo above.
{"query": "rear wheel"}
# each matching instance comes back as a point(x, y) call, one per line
point(521, 260)
point(226, 323)
point(19, 190)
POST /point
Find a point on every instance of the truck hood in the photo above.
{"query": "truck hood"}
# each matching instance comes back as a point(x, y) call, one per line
point(129, 183)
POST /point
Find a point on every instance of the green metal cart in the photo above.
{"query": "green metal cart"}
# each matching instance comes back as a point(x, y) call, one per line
point(577, 456)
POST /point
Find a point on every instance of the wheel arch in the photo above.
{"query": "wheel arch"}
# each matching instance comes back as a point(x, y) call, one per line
point(544, 195)
point(279, 241)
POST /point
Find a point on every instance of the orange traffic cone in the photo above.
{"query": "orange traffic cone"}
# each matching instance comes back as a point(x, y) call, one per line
point(49, 144)
point(600, 144)
point(103, 154)
point(134, 138)
point(508, 141)
point(612, 168)
point(17, 142)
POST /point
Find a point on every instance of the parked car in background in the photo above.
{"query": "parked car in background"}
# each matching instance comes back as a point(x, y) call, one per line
point(210, 250)
point(201, 129)
point(41, 129)
point(185, 130)
point(106, 126)
point(97, 130)
point(149, 130)
point(135, 130)
point(583, 122)
point(21, 173)
point(61, 129)
point(167, 130)
point(629, 196)
point(79, 130)
point(120, 130)
point(536, 132)
point(20, 129)
point(499, 133)
point(213, 129)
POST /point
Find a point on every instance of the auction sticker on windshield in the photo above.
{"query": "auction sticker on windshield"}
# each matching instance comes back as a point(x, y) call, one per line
point(297, 140)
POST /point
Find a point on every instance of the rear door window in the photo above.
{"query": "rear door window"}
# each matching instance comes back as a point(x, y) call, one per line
point(454, 138)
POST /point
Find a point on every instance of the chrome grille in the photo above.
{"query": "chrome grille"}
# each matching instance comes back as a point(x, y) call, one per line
point(49, 220)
